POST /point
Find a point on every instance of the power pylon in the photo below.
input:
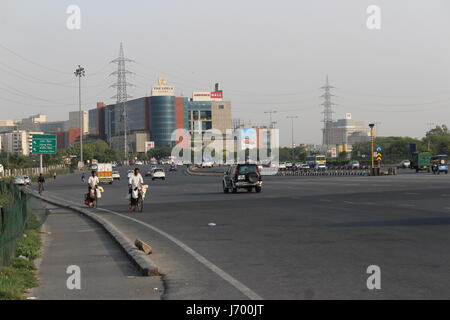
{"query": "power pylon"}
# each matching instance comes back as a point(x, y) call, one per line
point(122, 96)
point(327, 114)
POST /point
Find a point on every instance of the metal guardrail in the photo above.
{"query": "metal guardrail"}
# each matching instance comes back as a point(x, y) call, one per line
point(328, 172)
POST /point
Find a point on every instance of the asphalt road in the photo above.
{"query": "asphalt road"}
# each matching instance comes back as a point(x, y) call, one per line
point(301, 238)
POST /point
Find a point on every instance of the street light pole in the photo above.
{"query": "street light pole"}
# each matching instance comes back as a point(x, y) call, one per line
point(292, 134)
point(79, 72)
point(430, 126)
point(270, 116)
point(372, 144)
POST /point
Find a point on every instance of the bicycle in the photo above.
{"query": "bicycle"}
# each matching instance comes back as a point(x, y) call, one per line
point(139, 202)
point(40, 187)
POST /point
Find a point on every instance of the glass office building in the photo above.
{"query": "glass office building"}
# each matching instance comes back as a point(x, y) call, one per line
point(199, 116)
point(162, 119)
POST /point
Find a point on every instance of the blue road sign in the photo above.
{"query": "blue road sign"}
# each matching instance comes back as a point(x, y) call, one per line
point(378, 149)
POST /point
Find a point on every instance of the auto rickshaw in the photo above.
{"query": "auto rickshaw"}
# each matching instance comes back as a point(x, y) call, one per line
point(439, 163)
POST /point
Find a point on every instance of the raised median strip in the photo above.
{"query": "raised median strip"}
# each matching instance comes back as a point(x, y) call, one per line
point(142, 262)
point(193, 171)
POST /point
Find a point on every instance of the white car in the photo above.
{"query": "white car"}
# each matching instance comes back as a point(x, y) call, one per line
point(207, 164)
point(116, 175)
point(321, 166)
point(158, 173)
point(354, 165)
point(21, 181)
point(282, 165)
point(130, 173)
point(405, 164)
point(305, 166)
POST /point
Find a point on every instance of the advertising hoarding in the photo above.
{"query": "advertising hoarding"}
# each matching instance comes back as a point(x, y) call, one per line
point(248, 138)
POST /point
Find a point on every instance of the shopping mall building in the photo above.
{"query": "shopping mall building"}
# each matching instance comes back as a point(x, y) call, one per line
point(152, 120)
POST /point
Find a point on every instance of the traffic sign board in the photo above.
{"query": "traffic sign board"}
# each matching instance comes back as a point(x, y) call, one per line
point(378, 149)
point(378, 156)
point(43, 143)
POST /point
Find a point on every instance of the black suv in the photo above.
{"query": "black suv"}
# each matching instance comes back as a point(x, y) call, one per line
point(242, 176)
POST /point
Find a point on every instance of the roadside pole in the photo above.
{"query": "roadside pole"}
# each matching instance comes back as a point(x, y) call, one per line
point(372, 140)
point(40, 163)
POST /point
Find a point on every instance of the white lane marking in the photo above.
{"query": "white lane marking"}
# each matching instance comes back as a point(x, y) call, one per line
point(221, 273)
point(349, 202)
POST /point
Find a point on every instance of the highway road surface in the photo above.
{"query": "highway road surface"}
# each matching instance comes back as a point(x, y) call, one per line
point(301, 238)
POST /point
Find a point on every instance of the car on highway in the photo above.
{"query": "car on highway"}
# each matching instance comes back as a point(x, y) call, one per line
point(207, 164)
point(405, 164)
point(173, 167)
point(22, 180)
point(282, 165)
point(116, 175)
point(242, 176)
point(158, 173)
point(130, 173)
point(354, 165)
point(321, 166)
point(305, 166)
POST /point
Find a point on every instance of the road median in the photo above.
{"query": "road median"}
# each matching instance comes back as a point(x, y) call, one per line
point(194, 171)
point(142, 262)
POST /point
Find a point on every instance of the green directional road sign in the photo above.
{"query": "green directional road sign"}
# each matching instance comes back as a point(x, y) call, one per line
point(43, 143)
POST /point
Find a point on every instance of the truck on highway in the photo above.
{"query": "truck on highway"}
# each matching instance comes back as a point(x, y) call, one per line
point(421, 161)
point(105, 172)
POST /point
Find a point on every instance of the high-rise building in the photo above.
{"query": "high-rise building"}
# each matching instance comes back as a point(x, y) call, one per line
point(17, 141)
point(347, 131)
point(74, 121)
point(161, 113)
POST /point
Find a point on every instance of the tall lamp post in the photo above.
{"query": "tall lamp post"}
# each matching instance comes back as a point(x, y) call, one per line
point(79, 72)
point(372, 140)
point(270, 116)
point(292, 133)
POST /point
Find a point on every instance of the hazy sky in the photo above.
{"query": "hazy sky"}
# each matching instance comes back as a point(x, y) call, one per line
point(267, 55)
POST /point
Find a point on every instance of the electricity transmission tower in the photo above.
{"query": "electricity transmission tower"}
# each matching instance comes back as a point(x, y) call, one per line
point(122, 96)
point(327, 115)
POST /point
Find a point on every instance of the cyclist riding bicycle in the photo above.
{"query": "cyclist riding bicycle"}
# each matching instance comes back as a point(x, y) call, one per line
point(41, 181)
point(93, 183)
point(135, 184)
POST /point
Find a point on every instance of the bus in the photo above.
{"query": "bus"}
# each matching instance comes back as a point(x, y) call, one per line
point(316, 161)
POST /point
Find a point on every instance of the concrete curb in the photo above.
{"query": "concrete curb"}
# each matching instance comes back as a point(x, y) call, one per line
point(142, 262)
point(196, 173)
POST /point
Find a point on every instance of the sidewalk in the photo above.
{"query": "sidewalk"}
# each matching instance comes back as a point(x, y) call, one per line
point(106, 273)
